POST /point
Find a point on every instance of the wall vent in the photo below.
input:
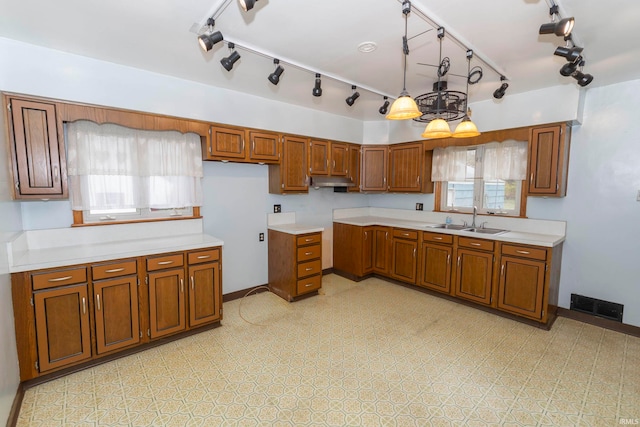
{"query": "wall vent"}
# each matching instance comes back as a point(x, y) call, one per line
point(597, 307)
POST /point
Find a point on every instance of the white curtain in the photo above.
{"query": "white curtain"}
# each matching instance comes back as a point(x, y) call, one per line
point(505, 161)
point(449, 164)
point(111, 166)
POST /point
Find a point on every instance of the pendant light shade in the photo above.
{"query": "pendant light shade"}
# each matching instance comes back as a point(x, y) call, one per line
point(466, 129)
point(404, 108)
point(437, 128)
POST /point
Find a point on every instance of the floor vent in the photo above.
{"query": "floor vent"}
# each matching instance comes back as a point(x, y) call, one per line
point(597, 307)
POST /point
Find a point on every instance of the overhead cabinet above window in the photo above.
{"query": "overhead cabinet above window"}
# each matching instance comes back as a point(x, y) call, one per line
point(243, 145)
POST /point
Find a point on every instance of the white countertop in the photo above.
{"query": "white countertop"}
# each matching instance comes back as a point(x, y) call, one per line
point(296, 228)
point(527, 238)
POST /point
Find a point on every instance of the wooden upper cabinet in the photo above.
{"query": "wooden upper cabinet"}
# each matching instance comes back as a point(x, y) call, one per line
point(549, 160)
point(319, 157)
point(405, 167)
point(353, 170)
point(264, 147)
point(226, 142)
point(339, 162)
point(37, 150)
point(291, 175)
point(373, 176)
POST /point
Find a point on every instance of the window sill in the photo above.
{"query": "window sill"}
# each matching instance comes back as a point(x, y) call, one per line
point(79, 222)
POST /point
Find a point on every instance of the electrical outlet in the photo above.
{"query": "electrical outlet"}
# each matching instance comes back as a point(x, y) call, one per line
point(261, 237)
point(277, 209)
point(418, 206)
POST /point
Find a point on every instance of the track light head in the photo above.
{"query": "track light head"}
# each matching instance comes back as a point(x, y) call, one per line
point(275, 76)
point(385, 107)
point(562, 28)
point(499, 93)
point(247, 4)
point(570, 67)
point(317, 90)
point(583, 79)
point(571, 54)
point(228, 62)
point(208, 40)
point(352, 99)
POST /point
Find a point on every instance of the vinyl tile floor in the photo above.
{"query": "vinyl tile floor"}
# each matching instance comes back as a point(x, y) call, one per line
point(359, 354)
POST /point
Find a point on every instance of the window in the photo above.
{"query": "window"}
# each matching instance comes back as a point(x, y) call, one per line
point(119, 174)
point(488, 176)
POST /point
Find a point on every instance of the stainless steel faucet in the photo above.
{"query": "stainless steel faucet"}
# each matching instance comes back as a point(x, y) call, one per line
point(475, 212)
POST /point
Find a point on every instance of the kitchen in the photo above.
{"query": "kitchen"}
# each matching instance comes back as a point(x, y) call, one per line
point(600, 208)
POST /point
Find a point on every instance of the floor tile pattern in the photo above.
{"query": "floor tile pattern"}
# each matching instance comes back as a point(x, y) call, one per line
point(360, 354)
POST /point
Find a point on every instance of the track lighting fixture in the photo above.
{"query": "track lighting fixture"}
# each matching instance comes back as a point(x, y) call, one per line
point(355, 95)
point(247, 4)
point(571, 54)
point(208, 39)
point(404, 107)
point(561, 27)
point(275, 76)
point(499, 93)
point(583, 79)
point(317, 90)
point(228, 62)
point(385, 106)
point(570, 67)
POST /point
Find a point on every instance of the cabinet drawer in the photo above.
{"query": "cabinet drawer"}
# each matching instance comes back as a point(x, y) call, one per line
point(405, 234)
point(437, 237)
point(116, 269)
point(309, 268)
point(525, 252)
point(203, 256)
point(306, 253)
point(309, 239)
point(467, 242)
point(309, 284)
point(59, 278)
point(167, 261)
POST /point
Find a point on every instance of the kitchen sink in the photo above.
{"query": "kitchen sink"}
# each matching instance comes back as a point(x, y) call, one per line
point(485, 230)
point(450, 226)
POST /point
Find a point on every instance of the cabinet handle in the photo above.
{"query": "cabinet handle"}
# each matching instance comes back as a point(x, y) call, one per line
point(308, 253)
point(414, 252)
point(418, 180)
point(191, 282)
point(334, 164)
point(56, 174)
point(165, 262)
point(405, 234)
point(204, 256)
point(84, 305)
point(253, 146)
point(308, 269)
point(458, 261)
point(448, 259)
point(474, 244)
point(115, 270)
point(181, 286)
point(386, 235)
point(531, 178)
point(242, 148)
point(437, 238)
point(98, 302)
point(366, 233)
point(523, 252)
point(60, 279)
point(309, 239)
point(308, 285)
point(502, 270)
point(326, 164)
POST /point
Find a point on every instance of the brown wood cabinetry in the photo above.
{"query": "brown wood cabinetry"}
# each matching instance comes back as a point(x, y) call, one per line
point(295, 264)
point(435, 261)
point(381, 257)
point(353, 171)
point(409, 168)
point(75, 315)
point(404, 255)
point(474, 269)
point(235, 144)
point(373, 176)
point(353, 250)
point(291, 175)
point(549, 160)
point(319, 155)
point(264, 147)
point(339, 162)
point(37, 149)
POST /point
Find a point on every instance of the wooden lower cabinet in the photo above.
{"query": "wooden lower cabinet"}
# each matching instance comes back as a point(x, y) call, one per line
point(404, 255)
point(474, 272)
point(73, 315)
point(353, 250)
point(435, 262)
point(381, 258)
point(295, 264)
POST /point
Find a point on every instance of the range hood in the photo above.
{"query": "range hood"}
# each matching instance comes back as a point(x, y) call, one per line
point(331, 181)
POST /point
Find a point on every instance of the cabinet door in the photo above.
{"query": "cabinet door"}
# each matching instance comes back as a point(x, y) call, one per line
point(405, 167)
point(38, 151)
point(318, 157)
point(436, 267)
point(474, 274)
point(374, 169)
point(294, 164)
point(353, 171)
point(367, 250)
point(166, 302)
point(521, 286)
point(116, 312)
point(381, 250)
point(227, 142)
point(339, 162)
point(204, 293)
point(548, 161)
point(264, 147)
point(62, 326)
point(404, 260)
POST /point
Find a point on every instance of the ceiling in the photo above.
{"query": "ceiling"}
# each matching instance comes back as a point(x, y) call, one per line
point(323, 37)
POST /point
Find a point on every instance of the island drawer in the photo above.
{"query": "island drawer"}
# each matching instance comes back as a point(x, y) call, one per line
point(57, 278)
point(114, 269)
point(163, 262)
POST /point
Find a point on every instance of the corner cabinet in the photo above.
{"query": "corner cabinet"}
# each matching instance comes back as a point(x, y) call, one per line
point(37, 149)
point(70, 317)
point(410, 168)
point(549, 160)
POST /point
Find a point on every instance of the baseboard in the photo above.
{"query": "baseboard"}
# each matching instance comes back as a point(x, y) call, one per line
point(259, 289)
point(12, 421)
point(599, 321)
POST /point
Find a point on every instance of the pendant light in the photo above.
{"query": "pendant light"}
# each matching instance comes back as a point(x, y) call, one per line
point(466, 128)
point(404, 107)
point(438, 127)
